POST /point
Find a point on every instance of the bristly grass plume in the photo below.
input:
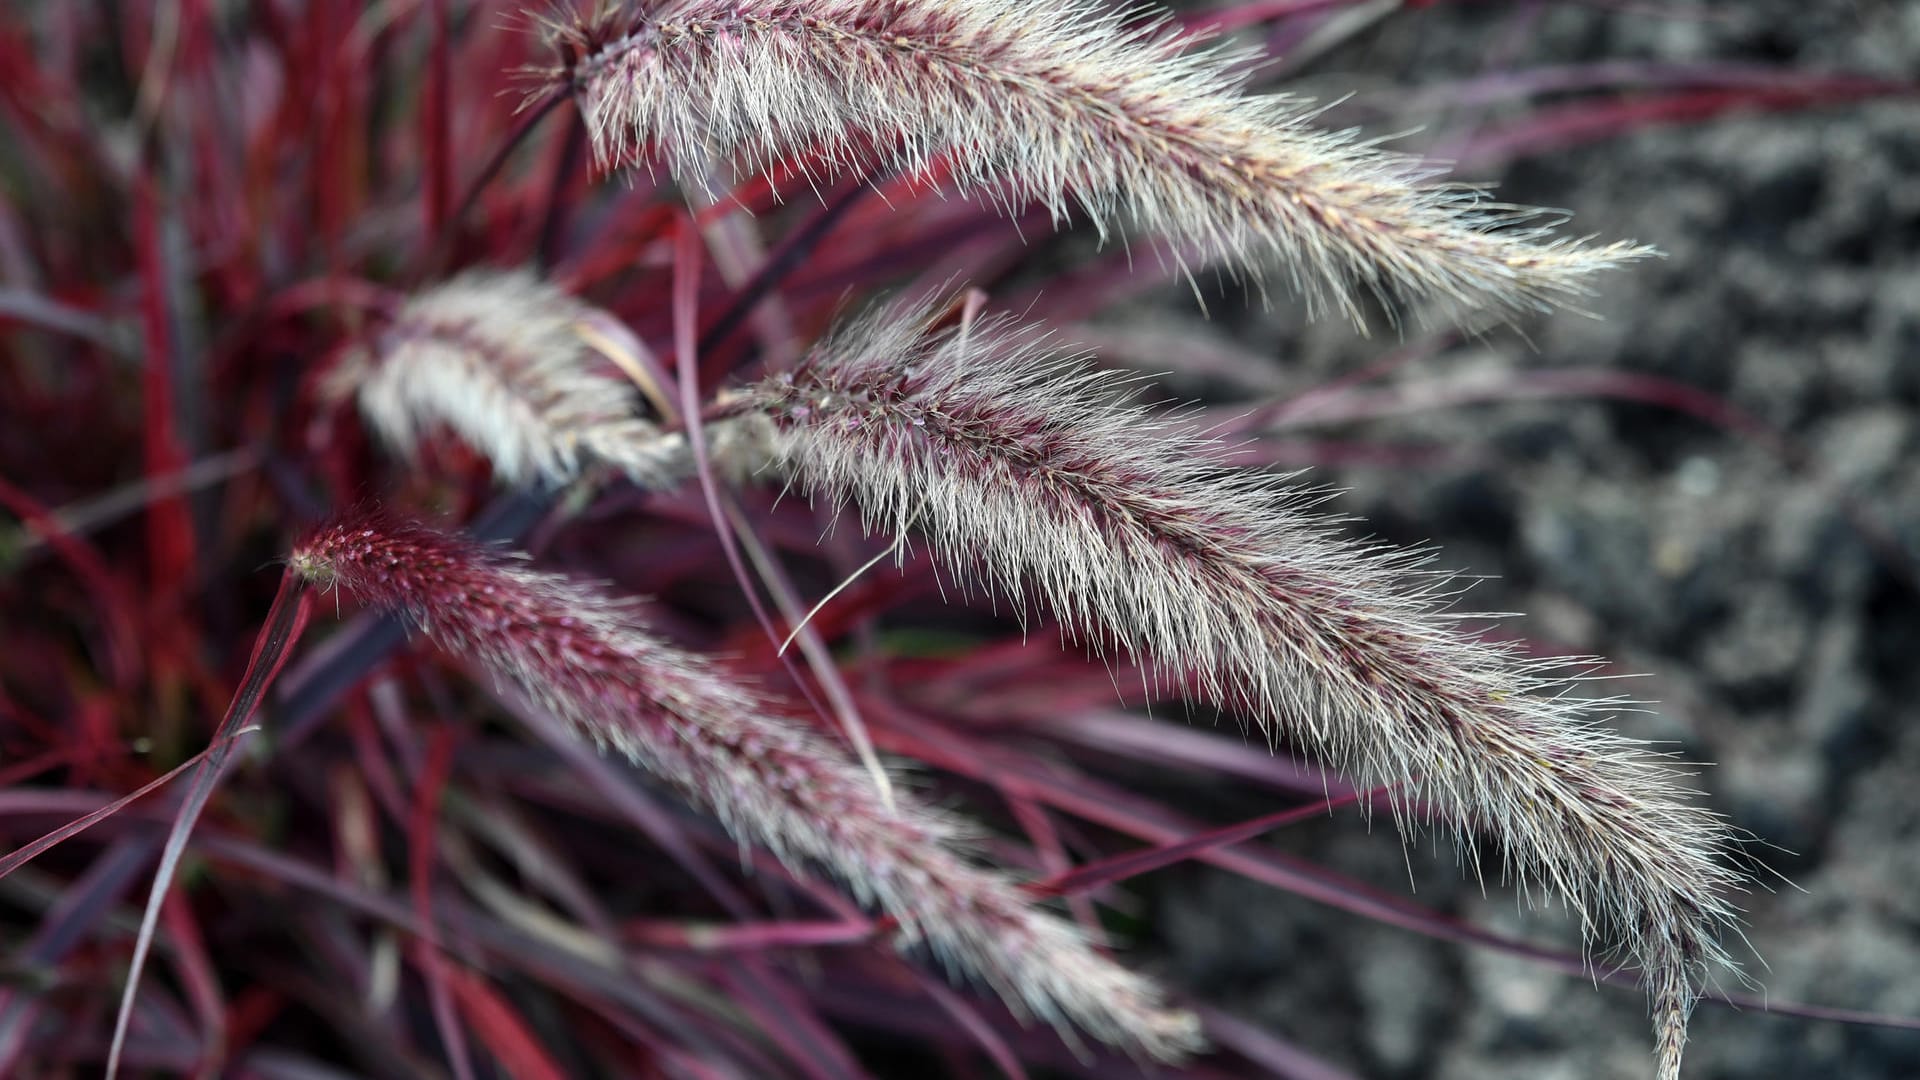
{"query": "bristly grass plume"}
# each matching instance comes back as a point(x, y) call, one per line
point(498, 358)
point(589, 659)
point(209, 243)
point(1032, 473)
point(1071, 105)
point(1023, 470)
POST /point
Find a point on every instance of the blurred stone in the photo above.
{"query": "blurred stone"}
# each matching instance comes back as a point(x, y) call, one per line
point(1784, 645)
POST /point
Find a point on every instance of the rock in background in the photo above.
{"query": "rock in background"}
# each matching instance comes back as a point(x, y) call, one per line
point(1780, 644)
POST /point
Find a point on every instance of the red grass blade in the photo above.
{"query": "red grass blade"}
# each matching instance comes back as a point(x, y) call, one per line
point(169, 528)
point(1134, 863)
point(285, 621)
point(1279, 1057)
point(422, 826)
point(501, 1027)
point(1573, 125)
point(20, 856)
point(436, 122)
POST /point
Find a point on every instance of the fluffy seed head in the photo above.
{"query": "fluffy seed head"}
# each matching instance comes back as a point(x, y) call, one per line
point(496, 358)
point(1026, 472)
point(1066, 104)
point(590, 661)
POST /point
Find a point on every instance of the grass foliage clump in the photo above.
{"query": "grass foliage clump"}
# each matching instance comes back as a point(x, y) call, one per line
point(592, 396)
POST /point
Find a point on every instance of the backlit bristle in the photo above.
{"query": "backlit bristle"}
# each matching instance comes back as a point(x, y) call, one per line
point(1072, 106)
point(588, 659)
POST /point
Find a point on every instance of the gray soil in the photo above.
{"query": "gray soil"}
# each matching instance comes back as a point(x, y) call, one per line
point(1780, 644)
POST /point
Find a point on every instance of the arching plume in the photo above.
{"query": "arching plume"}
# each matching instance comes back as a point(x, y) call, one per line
point(1025, 472)
point(495, 357)
point(588, 659)
point(1071, 105)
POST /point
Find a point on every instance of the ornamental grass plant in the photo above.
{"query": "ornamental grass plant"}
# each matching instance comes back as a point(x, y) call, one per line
point(705, 573)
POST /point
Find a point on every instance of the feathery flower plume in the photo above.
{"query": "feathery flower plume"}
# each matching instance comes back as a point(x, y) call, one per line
point(587, 658)
point(1027, 472)
point(1064, 103)
point(496, 357)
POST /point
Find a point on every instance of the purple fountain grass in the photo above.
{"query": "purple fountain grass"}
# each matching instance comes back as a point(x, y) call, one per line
point(1067, 104)
point(206, 230)
point(1027, 472)
point(497, 358)
point(588, 659)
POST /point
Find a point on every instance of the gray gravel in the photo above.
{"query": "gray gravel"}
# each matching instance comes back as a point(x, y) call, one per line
point(1780, 645)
